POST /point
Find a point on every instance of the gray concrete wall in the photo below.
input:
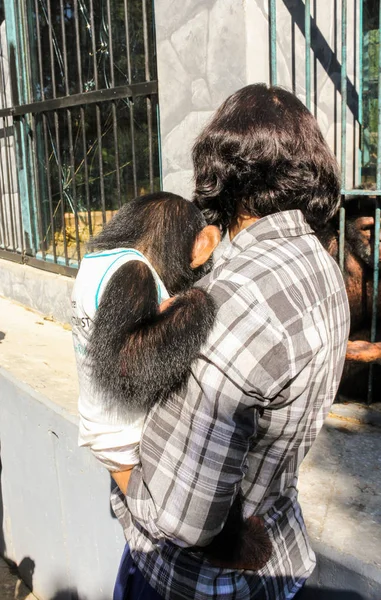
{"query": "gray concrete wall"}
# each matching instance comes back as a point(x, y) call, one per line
point(208, 49)
point(54, 499)
point(45, 292)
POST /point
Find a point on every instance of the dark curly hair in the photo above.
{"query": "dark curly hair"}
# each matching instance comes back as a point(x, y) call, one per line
point(262, 153)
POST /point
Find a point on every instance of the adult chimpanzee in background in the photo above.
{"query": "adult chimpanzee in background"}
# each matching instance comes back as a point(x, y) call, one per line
point(358, 275)
point(134, 350)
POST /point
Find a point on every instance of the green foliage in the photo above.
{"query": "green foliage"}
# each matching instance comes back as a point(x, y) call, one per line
point(371, 49)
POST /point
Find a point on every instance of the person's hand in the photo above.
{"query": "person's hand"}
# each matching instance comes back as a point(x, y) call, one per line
point(166, 304)
point(361, 351)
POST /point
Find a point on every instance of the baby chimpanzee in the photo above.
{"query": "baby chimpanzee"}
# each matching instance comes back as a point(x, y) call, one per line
point(134, 350)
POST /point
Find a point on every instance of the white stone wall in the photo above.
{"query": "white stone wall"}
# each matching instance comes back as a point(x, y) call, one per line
point(11, 231)
point(201, 60)
point(207, 49)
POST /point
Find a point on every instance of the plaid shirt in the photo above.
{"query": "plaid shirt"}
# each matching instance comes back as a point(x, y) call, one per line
point(255, 402)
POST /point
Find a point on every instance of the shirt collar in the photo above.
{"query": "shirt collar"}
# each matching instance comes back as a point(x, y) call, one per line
point(288, 223)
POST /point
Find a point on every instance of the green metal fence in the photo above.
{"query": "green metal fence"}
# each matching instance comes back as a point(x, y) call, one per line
point(355, 98)
point(78, 122)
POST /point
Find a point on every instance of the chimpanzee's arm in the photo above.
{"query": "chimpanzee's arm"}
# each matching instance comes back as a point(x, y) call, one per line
point(138, 355)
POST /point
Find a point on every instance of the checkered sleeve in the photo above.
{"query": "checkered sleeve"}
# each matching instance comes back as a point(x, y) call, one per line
point(194, 448)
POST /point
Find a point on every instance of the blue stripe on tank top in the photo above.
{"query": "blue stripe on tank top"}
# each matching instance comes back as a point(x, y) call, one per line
point(122, 252)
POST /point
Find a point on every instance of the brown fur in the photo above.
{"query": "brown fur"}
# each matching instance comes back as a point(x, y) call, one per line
point(358, 275)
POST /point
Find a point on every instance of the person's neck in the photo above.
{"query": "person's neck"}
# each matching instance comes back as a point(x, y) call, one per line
point(241, 222)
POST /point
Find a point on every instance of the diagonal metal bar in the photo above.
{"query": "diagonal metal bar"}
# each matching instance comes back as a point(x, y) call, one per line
point(273, 53)
point(322, 51)
point(93, 97)
point(307, 21)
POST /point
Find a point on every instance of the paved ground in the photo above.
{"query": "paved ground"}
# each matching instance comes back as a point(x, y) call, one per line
point(11, 587)
point(38, 352)
point(340, 483)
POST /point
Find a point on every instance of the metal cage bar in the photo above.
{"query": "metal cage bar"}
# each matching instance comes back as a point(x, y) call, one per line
point(82, 117)
point(93, 97)
point(8, 226)
point(377, 215)
point(273, 42)
point(307, 29)
point(148, 100)
point(70, 137)
point(349, 28)
point(344, 96)
point(70, 114)
point(131, 106)
point(360, 85)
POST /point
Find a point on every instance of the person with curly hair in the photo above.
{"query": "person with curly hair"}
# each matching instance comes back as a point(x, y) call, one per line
point(268, 374)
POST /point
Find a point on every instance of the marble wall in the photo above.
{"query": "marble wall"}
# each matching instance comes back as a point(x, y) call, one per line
point(207, 49)
point(201, 49)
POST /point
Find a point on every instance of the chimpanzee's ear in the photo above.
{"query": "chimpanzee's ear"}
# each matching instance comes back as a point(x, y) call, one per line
point(204, 245)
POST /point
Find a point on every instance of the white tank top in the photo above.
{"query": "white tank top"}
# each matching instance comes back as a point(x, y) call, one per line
point(113, 442)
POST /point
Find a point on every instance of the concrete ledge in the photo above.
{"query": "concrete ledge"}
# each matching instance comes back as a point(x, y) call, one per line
point(40, 353)
point(45, 292)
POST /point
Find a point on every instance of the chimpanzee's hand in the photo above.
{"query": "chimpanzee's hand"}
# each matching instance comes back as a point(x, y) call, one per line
point(166, 304)
point(248, 547)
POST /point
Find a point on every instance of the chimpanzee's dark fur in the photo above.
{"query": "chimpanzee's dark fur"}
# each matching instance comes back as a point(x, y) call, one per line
point(139, 356)
point(248, 542)
point(149, 354)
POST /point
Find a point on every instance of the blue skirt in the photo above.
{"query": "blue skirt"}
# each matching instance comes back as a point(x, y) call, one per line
point(130, 583)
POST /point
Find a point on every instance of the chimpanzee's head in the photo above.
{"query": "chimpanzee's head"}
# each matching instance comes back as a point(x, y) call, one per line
point(170, 231)
point(359, 227)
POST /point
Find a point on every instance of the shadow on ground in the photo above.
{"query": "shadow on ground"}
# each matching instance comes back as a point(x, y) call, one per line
point(71, 594)
point(306, 594)
point(312, 593)
point(26, 570)
point(23, 574)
